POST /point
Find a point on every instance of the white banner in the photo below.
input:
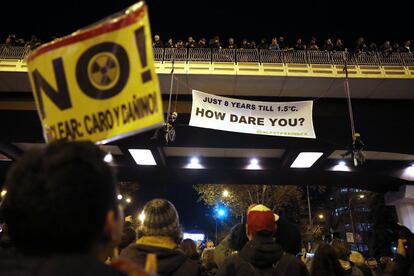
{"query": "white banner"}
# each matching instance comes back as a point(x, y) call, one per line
point(291, 119)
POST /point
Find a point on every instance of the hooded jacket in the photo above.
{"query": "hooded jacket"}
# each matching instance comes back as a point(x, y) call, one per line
point(170, 261)
point(261, 256)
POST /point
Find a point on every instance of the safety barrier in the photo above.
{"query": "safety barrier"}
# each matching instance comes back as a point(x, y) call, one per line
point(298, 57)
point(158, 54)
point(393, 59)
point(175, 54)
point(407, 59)
point(255, 56)
point(199, 54)
point(223, 55)
point(247, 55)
point(338, 58)
point(13, 52)
point(367, 58)
point(319, 57)
point(271, 56)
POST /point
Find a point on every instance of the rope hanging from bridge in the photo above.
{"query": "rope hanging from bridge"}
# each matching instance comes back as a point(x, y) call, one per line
point(356, 153)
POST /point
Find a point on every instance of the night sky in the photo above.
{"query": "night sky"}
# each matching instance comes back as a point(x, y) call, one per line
point(375, 20)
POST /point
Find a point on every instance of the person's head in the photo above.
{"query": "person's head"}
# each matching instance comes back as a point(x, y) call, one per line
point(209, 244)
point(407, 43)
point(325, 262)
point(274, 41)
point(190, 39)
point(161, 219)
point(263, 41)
point(188, 247)
point(244, 41)
point(281, 39)
point(342, 249)
point(299, 41)
point(156, 38)
point(170, 41)
point(62, 199)
point(207, 259)
point(202, 41)
point(260, 221)
point(328, 41)
point(360, 40)
point(231, 41)
point(216, 39)
point(357, 258)
point(338, 41)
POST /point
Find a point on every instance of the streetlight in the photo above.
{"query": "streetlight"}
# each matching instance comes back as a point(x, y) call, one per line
point(141, 217)
point(128, 200)
point(3, 193)
point(320, 216)
point(361, 196)
point(119, 197)
point(221, 213)
point(226, 193)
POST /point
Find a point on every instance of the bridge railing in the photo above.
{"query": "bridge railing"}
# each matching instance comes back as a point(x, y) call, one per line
point(338, 58)
point(319, 57)
point(366, 58)
point(175, 54)
point(394, 59)
point(407, 59)
point(199, 54)
point(224, 55)
point(158, 54)
point(247, 55)
point(13, 52)
point(255, 56)
point(298, 57)
point(271, 56)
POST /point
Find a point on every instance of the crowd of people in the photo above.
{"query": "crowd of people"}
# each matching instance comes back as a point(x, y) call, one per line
point(279, 43)
point(276, 43)
point(62, 218)
point(13, 40)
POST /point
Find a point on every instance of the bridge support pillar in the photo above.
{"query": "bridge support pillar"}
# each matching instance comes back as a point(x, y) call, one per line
point(403, 200)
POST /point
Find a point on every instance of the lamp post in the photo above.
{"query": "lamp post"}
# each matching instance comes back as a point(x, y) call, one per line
point(220, 214)
point(350, 213)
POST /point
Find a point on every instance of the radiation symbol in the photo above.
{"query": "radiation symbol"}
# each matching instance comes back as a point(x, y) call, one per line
point(103, 70)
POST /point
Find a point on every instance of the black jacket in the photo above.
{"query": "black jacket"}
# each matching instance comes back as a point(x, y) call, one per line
point(56, 265)
point(169, 261)
point(261, 256)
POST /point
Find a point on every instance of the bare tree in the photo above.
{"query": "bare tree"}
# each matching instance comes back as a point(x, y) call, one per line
point(241, 196)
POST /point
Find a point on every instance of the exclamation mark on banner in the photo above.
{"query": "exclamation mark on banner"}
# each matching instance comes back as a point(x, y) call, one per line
point(142, 51)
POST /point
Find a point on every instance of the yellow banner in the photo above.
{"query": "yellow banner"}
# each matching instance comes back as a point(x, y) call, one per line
point(99, 83)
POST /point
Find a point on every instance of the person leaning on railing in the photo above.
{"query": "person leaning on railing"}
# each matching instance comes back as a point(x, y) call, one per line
point(274, 45)
point(157, 42)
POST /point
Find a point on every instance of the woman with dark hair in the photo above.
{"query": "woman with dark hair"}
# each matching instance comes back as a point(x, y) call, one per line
point(189, 248)
point(325, 262)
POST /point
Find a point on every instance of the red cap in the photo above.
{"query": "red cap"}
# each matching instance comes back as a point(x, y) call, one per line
point(260, 218)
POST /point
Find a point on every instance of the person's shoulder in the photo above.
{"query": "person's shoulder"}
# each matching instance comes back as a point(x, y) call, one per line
point(289, 264)
point(61, 265)
point(189, 267)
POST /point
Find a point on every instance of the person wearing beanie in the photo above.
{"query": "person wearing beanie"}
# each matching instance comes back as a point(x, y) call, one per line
point(160, 233)
point(261, 255)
